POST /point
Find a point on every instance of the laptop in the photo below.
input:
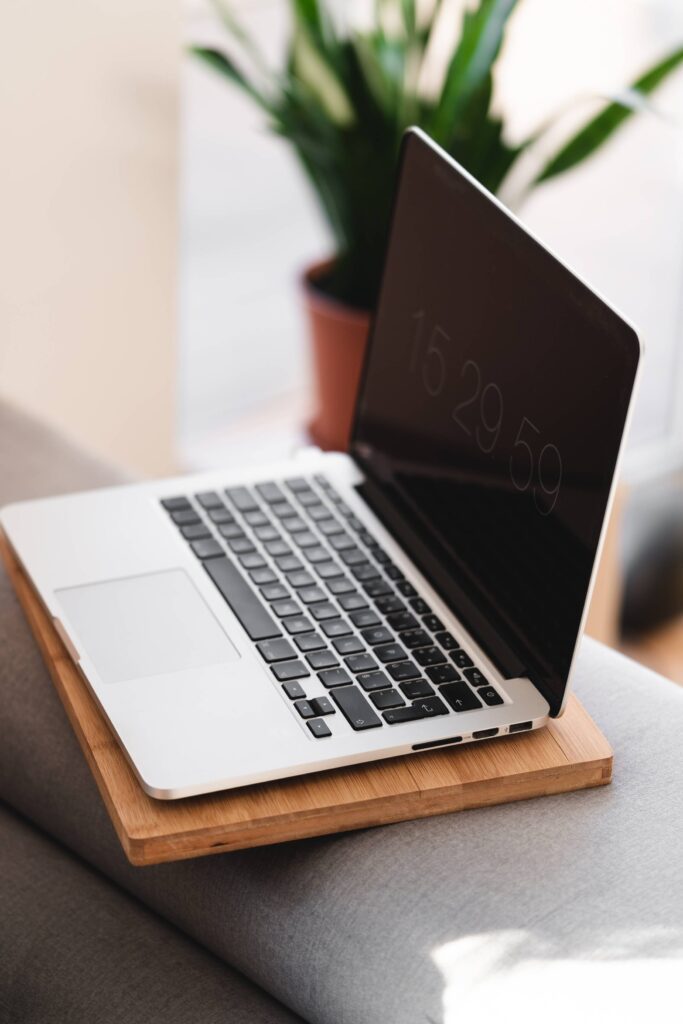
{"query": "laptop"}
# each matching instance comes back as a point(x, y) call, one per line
point(426, 589)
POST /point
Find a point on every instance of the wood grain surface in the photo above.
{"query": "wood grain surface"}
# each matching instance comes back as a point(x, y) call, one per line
point(570, 754)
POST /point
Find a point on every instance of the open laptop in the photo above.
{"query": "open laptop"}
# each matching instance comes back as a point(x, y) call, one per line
point(426, 589)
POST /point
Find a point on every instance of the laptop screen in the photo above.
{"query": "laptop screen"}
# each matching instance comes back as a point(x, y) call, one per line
point(490, 416)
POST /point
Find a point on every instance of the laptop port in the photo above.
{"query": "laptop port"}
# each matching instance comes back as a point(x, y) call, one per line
point(482, 734)
point(520, 726)
point(437, 743)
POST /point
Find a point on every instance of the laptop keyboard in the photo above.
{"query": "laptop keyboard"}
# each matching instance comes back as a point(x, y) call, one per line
point(319, 596)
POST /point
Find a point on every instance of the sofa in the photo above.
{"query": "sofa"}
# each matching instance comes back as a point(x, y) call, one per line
point(567, 906)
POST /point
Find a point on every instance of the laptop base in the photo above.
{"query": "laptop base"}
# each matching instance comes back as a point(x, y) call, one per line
point(569, 754)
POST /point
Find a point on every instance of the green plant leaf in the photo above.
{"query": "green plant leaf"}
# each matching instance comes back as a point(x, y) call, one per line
point(227, 67)
point(597, 131)
point(310, 66)
point(470, 67)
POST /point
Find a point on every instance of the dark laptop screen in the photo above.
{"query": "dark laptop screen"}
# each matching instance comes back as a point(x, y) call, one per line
point(490, 416)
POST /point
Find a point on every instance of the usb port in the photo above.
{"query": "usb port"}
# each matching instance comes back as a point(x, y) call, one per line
point(482, 734)
point(521, 726)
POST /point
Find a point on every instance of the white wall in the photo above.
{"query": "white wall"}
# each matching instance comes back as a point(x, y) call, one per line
point(88, 201)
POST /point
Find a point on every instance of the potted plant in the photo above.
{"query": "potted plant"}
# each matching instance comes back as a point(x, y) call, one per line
point(343, 98)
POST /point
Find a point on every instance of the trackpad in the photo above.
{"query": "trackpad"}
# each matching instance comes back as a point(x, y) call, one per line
point(145, 626)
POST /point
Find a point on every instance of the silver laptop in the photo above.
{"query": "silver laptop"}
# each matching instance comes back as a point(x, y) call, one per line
point(426, 589)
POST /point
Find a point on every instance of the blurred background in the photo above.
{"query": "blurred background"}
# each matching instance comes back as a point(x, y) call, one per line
point(154, 234)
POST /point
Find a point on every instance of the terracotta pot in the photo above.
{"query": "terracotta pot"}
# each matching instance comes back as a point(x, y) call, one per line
point(339, 335)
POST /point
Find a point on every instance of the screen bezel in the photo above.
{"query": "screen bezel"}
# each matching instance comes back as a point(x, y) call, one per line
point(511, 661)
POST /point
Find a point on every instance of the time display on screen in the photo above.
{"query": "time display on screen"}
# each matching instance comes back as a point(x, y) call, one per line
point(478, 412)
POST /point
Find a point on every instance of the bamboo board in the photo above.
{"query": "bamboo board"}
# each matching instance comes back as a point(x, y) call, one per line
point(570, 754)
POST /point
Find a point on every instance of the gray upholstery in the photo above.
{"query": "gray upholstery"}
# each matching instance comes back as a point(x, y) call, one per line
point(573, 900)
point(75, 948)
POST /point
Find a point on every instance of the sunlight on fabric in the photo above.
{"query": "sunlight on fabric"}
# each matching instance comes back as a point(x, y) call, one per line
point(512, 972)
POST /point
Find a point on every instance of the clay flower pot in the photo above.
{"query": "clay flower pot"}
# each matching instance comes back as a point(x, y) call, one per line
point(339, 336)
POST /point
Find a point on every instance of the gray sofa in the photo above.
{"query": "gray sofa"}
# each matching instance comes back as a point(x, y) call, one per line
point(570, 906)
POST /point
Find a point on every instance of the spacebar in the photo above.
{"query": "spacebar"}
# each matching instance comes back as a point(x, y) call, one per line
point(242, 599)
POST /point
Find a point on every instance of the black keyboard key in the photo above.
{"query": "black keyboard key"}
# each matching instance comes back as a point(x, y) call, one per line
point(257, 518)
point(335, 627)
point(461, 659)
point(417, 688)
point(365, 572)
point(377, 588)
point(355, 708)
point(186, 517)
point(219, 516)
point(241, 545)
point(311, 595)
point(318, 511)
point(393, 572)
point(262, 576)
point(231, 531)
point(209, 548)
point(347, 645)
point(309, 642)
point(252, 560)
point(415, 638)
point(447, 641)
point(384, 699)
point(388, 605)
point(332, 677)
point(308, 498)
point(319, 728)
point(377, 635)
point(321, 659)
point(294, 690)
point(390, 652)
point(293, 524)
point(196, 532)
point(209, 499)
point(406, 588)
point(490, 696)
point(286, 670)
point(300, 579)
point(323, 706)
point(306, 540)
point(328, 527)
point(297, 484)
point(266, 533)
point(328, 570)
point(277, 547)
point(353, 556)
point(475, 677)
point(342, 542)
point(373, 681)
point(297, 624)
point(175, 504)
point(270, 492)
point(316, 555)
point(276, 650)
point(321, 612)
point(352, 602)
point(241, 498)
point(404, 670)
point(442, 674)
point(429, 656)
point(283, 609)
point(428, 707)
point(282, 509)
point(401, 621)
point(420, 606)
point(304, 708)
point(288, 563)
point(380, 555)
point(460, 697)
point(363, 618)
point(360, 663)
point(342, 586)
point(275, 592)
point(434, 623)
